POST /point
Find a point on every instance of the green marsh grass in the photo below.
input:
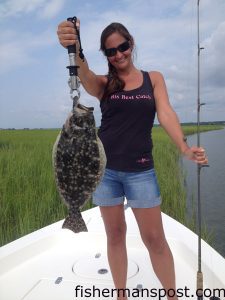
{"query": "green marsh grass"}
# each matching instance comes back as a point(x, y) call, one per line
point(28, 195)
point(171, 178)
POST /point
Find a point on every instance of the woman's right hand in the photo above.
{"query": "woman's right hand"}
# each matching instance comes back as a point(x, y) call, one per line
point(67, 34)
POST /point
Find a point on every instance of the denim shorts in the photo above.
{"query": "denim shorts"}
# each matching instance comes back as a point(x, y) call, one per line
point(140, 189)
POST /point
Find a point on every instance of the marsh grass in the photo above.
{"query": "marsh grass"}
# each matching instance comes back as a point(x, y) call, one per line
point(28, 195)
point(171, 177)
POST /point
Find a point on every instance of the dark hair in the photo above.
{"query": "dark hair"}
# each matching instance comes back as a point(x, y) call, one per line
point(114, 82)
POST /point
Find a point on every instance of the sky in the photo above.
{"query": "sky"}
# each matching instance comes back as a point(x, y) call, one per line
point(34, 92)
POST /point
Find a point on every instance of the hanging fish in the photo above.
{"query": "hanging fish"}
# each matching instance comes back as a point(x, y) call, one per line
point(79, 162)
point(78, 155)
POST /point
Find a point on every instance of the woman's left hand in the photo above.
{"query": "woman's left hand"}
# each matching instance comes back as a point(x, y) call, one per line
point(196, 154)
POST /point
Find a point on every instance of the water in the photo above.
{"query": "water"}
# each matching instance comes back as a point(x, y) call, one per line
point(212, 185)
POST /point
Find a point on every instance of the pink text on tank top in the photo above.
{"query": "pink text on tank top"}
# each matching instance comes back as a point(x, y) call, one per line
point(132, 97)
point(143, 160)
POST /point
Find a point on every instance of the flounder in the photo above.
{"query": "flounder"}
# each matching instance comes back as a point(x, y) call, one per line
point(79, 162)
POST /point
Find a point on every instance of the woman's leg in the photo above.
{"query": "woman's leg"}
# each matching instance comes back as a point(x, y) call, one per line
point(115, 226)
point(151, 229)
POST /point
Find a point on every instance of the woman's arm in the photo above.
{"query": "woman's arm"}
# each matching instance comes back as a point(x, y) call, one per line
point(169, 121)
point(92, 83)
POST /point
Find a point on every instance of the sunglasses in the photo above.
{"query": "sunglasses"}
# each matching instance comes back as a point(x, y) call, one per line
point(122, 48)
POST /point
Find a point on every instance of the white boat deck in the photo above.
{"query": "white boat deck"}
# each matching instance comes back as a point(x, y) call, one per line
point(56, 264)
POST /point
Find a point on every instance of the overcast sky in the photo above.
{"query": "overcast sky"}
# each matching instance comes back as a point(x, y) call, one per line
point(33, 75)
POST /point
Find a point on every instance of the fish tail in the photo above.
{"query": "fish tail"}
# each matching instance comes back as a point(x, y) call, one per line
point(75, 223)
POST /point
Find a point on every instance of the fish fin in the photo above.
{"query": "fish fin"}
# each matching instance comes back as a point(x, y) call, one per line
point(75, 223)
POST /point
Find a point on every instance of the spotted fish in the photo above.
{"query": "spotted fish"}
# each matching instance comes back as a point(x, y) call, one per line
point(79, 162)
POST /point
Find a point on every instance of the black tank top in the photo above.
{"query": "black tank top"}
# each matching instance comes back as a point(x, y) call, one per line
point(126, 125)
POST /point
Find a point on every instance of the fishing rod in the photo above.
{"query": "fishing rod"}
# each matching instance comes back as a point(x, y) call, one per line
point(199, 167)
point(199, 104)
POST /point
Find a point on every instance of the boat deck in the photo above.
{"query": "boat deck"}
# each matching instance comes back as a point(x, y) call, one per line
point(56, 264)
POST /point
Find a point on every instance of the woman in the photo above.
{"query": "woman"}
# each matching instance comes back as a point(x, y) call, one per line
point(129, 99)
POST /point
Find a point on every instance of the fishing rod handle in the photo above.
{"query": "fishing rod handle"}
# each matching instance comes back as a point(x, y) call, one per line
point(72, 48)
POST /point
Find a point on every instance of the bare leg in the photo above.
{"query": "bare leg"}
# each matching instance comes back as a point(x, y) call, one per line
point(150, 224)
point(115, 226)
